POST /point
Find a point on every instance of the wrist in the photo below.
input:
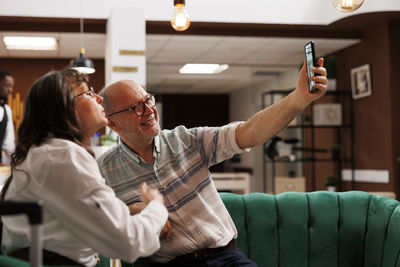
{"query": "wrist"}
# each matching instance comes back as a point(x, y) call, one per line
point(298, 100)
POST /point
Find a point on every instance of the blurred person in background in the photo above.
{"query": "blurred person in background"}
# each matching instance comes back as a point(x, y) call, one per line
point(7, 138)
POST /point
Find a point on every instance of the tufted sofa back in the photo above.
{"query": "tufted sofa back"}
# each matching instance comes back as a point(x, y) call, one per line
point(318, 229)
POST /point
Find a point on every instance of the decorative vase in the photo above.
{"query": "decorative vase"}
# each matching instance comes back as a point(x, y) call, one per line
point(331, 188)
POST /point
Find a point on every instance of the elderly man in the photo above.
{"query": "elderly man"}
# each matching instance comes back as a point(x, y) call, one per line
point(176, 162)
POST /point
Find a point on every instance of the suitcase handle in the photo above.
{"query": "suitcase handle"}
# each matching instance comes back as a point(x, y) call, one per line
point(32, 209)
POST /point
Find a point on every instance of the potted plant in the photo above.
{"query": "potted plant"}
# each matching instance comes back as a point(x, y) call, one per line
point(335, 152)
point(331, 183)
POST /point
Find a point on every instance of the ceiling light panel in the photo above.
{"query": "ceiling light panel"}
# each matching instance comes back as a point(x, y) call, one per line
point(203, 68)
point(30, 43)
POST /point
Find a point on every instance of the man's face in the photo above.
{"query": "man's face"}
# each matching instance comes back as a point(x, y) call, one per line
point(131, 126)
point(6, 87)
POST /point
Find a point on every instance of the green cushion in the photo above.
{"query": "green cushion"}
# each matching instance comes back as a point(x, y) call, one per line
point(12, 262)
point(104, 262)
point(261, 228)
point(317, 229)
point(392, 244)
point(323, 231)
point(379, 216)
point(141, 262)
point(352, 227)
point(292, 228)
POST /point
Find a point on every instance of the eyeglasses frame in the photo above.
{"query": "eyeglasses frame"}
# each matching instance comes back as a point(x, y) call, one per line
point(133, 108)
point(90, 92)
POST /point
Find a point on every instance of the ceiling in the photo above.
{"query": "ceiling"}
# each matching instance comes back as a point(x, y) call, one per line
point(251, 59)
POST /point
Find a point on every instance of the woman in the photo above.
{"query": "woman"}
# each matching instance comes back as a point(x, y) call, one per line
point(82, 216)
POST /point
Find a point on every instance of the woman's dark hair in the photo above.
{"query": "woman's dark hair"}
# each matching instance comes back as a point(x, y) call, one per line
point(49, 113)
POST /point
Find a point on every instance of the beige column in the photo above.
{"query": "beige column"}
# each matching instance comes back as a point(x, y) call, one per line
point(126, 43)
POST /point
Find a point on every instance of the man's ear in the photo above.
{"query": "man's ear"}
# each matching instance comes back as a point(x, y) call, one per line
point(113, 125)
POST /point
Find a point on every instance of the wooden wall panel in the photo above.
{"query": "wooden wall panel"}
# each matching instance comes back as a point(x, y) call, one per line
point(394, 35)
point(372, 114)
point(195, 110)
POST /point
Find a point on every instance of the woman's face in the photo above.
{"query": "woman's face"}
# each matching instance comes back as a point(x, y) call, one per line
point(89, 111)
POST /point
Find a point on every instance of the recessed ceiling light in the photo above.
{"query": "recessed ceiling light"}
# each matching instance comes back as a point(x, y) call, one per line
point(30, 43)
point(203, 68)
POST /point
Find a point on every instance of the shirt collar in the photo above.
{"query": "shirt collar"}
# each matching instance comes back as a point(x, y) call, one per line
point(135, 156)
point(157, 147)
point(130, 153)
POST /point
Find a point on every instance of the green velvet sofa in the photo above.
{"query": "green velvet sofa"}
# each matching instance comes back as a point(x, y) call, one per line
point(318, 229)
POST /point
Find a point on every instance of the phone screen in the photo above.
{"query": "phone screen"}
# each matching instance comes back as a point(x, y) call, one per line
point(310, 59)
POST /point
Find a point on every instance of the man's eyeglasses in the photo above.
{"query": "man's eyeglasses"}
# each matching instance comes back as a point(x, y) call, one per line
point(140, 107)
point(89, 92)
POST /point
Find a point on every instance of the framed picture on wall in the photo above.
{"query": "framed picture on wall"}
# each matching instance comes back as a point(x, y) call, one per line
point(361, 81)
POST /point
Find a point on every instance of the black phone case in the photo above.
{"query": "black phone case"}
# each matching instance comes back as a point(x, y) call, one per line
point(311, 44)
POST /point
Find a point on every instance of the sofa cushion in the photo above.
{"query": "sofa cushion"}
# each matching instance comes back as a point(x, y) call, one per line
point(317, 229)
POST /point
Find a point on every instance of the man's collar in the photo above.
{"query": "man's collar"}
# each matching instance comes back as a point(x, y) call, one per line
point(130, 153)
point(157, 144)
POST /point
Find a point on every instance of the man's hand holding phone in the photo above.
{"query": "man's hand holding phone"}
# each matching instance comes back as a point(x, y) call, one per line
point(312, 81)
point(311, 62)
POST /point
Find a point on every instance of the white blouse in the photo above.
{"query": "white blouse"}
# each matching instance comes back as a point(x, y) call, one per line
point(82, 215)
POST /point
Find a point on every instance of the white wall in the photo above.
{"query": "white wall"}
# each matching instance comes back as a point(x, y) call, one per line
point(288, 80)
point(254, 11)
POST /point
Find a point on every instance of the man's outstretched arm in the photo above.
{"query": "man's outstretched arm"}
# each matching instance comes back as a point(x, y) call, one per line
point(267, 122)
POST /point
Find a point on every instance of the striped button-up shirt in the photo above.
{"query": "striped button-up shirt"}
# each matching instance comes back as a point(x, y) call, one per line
point(180, 171)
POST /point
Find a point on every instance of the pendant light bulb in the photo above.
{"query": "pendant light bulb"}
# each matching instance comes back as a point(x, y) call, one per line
point(347, 5)
point(180, 19)
point(83, 64)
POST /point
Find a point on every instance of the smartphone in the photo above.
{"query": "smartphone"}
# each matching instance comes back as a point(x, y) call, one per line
point(311, 62)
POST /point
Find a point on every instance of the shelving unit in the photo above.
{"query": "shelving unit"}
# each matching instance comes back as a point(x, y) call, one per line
point(307, 159)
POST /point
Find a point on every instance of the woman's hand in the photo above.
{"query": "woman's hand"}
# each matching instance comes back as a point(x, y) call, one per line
point(148, 194)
